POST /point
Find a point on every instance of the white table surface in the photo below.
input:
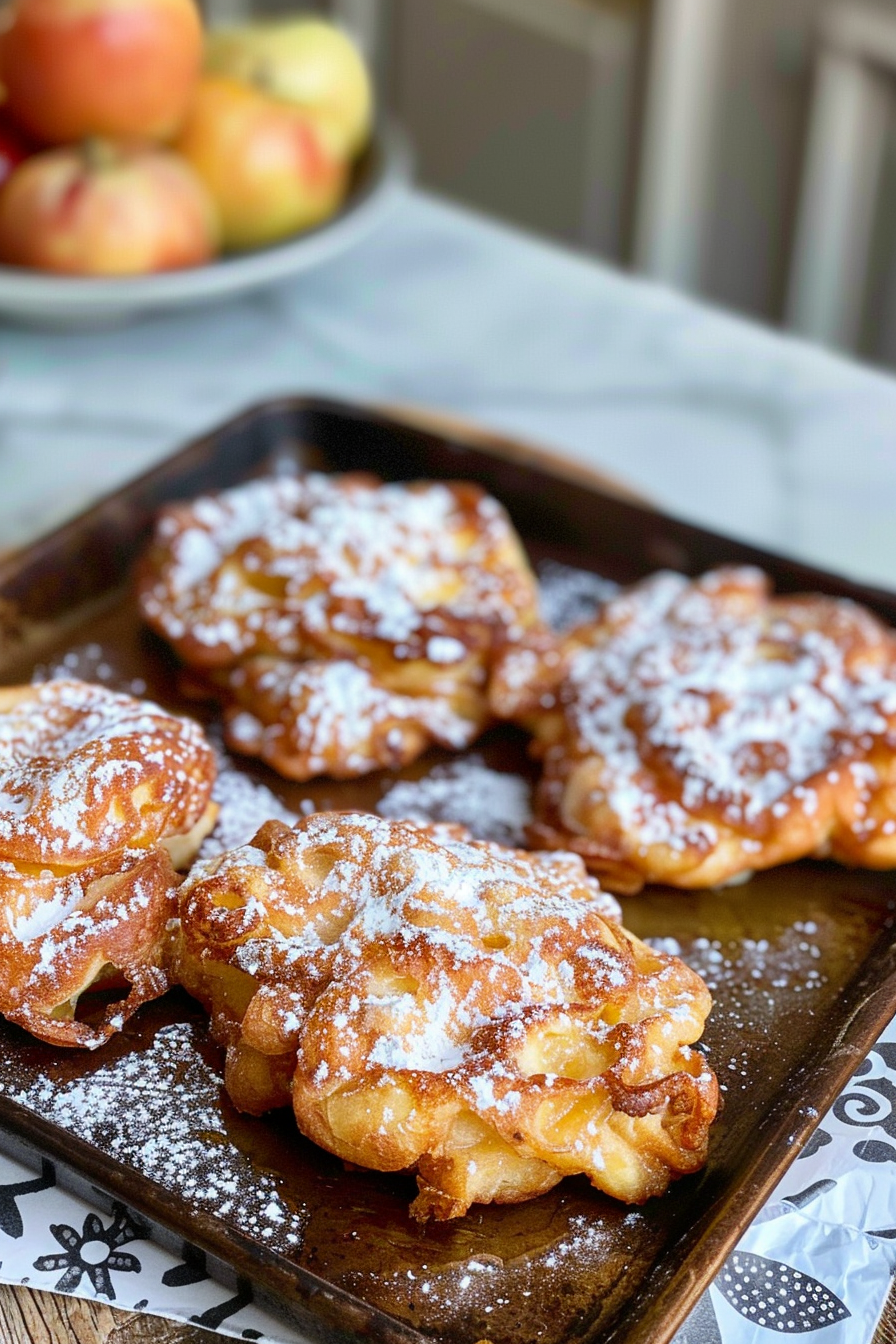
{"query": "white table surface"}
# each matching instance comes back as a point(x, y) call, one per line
point(715, 419)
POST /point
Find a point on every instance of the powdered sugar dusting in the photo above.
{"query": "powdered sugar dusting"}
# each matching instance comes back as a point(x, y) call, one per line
point(384, 954)
point(492, 805)
point(90, 662)
point(773, 957)
point(85, 770)
point(712, 707)
point(336, 718)
point(245, 804)
point(281, 563)
point(530, 1296)
point(158, 1111)
point(570, 596)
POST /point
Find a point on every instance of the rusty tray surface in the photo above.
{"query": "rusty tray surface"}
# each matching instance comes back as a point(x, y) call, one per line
point(799, 959)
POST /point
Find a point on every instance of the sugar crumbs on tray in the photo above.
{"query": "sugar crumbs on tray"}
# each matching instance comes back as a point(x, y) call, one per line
point(158, 1111)
point(491, 804)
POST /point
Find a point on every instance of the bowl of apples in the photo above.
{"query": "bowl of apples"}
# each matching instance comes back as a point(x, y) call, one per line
point(147, 163)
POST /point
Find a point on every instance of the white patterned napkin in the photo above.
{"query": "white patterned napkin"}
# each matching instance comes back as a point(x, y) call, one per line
point(817, 1260)
point(819, 1257)
point(51, 1239)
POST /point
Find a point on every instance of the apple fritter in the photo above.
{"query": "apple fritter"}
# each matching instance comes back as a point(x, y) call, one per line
point(344, 624)
point(100, 794)
point(333, 718)
point(698, 730)
point(446, 1006)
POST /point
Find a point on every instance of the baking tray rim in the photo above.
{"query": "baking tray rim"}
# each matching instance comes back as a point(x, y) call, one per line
point(786, 1125)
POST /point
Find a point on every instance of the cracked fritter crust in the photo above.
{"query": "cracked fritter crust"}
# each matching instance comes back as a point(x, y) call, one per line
point(344, 624)
point(698, 730)
point(431, 1003)
point(99, 792)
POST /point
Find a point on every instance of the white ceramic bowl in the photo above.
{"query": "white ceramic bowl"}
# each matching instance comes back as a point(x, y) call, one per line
point(39, 299)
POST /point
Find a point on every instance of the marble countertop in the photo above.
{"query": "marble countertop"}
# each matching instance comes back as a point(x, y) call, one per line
point(715, 419)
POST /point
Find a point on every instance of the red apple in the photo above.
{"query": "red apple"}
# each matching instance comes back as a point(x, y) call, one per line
point(118, 68)
point(105, 210)
point(13, 149)
point(263, 161)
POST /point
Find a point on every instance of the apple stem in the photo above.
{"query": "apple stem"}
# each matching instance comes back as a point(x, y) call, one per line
point(99, 154)
point(263, 75)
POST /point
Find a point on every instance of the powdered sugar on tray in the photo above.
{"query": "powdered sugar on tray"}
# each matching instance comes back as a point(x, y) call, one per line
point(89, 662)
point(487, 1292)
point(570, 595)
point(245, 804)
point(159, 1111)
point(755, 981)
point(492, 805)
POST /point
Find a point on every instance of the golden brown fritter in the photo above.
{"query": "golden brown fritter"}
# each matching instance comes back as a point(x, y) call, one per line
point(431, 1003)
point(98, 793)
point(345, 624)
point(697, 730)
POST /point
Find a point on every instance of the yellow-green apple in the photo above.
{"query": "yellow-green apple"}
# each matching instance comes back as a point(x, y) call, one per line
point(307, 62)
point(263, 161)
point(106, 210)
point(116, 68)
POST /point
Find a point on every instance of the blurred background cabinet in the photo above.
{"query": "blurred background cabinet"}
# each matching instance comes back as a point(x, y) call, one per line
point(525, 108)
point(667, 135)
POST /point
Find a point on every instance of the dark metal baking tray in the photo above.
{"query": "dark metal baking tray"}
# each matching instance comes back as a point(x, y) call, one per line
point(801, 961)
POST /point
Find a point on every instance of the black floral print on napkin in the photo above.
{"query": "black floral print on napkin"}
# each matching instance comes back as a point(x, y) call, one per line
point(820, 1139)
point(216, 1316)
point(777, 1296)
point(192, 1269)
point(94, 1252)
point(10, 1217)
point(804, 1197)
point(875, 1150)
point(870, 1102)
